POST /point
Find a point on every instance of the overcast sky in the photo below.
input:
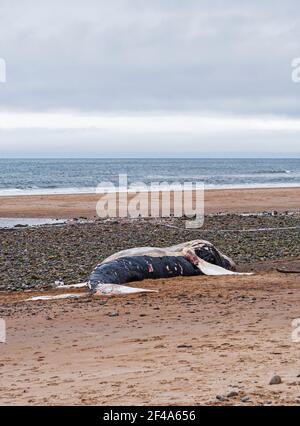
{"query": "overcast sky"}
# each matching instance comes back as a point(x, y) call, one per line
point(149, 78)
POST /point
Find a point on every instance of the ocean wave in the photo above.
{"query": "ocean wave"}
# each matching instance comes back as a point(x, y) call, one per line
point(95, 190)
point(271, 172)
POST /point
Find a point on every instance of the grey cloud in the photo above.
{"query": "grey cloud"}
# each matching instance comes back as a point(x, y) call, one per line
point(134, 55)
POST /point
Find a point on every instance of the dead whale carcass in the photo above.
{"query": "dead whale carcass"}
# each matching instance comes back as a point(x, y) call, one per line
point(197, 257)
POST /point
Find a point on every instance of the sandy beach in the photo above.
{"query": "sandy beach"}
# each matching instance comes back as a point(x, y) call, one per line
point(194, 342)
point(217, 200)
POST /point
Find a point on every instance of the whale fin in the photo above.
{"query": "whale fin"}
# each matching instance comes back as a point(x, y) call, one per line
point(58, 296)
point(210, 269)
point(113, 289)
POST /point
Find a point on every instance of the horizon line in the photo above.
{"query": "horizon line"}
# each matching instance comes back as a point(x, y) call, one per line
point(290, 156)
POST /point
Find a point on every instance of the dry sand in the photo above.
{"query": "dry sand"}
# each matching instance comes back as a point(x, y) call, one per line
point(197, 338)
point(229, 200)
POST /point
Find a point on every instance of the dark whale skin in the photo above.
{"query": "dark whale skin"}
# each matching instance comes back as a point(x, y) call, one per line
point(137, 268)
point(211, 255)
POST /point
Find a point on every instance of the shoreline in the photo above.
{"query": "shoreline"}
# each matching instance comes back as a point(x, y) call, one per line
point(93, 190)
point(69, 206)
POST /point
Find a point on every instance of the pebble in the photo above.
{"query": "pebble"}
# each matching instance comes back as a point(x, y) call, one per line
point(245, 399)
point(113, 314)
point(184, 346)
point(221, 398)
point(276, 380)
point(232, 394)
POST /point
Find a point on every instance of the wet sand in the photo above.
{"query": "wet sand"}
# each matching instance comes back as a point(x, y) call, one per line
point(224, 200)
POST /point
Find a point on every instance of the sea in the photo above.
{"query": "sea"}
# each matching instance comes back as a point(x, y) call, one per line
point(67, 176)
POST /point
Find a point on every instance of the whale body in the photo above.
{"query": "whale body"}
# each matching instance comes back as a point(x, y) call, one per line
point(197, 257)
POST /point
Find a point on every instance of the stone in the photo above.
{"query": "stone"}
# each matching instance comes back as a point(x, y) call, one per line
point(113, 314)
point(232, 394)
point(220, 398)
point(276, 380)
